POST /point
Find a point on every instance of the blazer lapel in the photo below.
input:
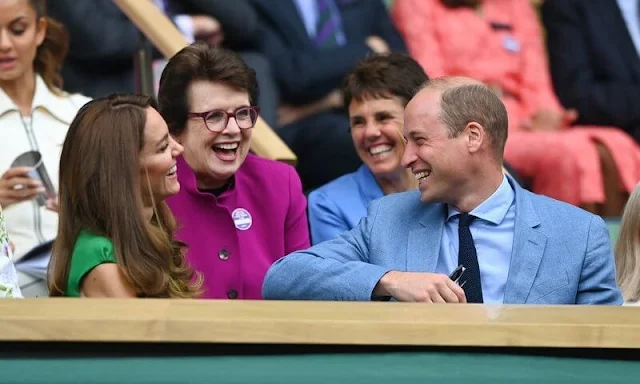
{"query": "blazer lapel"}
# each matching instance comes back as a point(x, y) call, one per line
point(619, 34)
point(288, 10)
point(424, 242)
point(528, 248)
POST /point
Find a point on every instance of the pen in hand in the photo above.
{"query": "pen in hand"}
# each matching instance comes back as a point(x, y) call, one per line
point(457, 274)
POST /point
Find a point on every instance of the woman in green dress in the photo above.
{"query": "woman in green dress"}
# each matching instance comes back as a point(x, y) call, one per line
point(115, 233)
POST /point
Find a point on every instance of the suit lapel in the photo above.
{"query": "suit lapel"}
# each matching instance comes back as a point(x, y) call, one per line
point(619, 34)
point(289, 11)
point(528, 248)
point(423, 248)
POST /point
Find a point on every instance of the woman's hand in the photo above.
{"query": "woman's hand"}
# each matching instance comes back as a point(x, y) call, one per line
point(16, 186)
point(547, 120)
point(570, 116)
point(52, 205)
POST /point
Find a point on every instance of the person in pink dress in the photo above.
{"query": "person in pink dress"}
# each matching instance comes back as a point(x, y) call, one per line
point(500, 43)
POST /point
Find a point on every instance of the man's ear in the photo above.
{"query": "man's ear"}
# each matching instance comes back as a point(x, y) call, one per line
point(475, 136)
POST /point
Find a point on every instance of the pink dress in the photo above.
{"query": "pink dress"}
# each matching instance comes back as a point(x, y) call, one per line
point(504, 48)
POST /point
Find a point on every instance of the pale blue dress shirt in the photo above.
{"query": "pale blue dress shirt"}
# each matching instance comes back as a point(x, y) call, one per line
point(338, 206)
point(631, 15)
point(309, 13)
point(492, 233)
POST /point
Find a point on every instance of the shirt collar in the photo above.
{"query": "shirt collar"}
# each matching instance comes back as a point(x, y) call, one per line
point(493, 209)
point(57, 106)
point(628, 5)
point(369, 187)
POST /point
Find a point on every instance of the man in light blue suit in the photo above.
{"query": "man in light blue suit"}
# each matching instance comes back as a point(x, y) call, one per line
point(514, 246)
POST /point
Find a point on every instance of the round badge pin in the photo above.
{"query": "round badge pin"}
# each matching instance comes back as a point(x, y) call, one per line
point(511, 44)
point(242, 219)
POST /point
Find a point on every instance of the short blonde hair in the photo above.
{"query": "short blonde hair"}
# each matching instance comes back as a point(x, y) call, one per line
point(628, 249)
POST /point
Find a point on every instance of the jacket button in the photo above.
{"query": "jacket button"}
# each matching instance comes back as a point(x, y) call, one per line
point(232, 294)
point(223, 254)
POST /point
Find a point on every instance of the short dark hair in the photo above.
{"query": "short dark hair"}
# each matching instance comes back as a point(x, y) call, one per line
point(384, 76)
point(462, 103)
point(197, 62)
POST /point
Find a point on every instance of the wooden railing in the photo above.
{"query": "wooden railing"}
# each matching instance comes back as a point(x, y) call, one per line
point(273, 322)
point(168, 40)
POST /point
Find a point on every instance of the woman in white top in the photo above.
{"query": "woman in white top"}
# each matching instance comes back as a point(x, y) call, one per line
point(628, 250)
point(34, 116)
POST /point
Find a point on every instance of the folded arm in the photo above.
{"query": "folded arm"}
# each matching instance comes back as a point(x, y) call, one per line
point(334, 270)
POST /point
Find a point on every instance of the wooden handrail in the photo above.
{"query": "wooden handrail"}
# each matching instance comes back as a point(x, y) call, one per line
point(168, 40)
point(282, 322)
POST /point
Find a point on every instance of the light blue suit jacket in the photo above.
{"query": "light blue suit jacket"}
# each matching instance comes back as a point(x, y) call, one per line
point(561, 254)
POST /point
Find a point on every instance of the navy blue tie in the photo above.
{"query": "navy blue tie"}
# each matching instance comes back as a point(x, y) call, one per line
point(469, 259)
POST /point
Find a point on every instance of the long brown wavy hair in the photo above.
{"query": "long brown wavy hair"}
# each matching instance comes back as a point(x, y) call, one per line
point(51, 53)
point(103, 192)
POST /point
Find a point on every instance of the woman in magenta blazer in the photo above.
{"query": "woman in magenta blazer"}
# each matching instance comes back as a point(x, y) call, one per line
point(238, 213)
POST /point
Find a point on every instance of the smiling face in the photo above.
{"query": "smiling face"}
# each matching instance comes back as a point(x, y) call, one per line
point(21, 32)
point(214, 157)
point(376, 130)
point(439, 163)
point(158, 158)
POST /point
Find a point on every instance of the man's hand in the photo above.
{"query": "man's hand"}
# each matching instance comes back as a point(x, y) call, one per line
point(419, 287)
point(207, 28)
point(377, 44)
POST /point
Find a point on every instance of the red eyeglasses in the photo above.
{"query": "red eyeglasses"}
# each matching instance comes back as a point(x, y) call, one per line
point(217, 120)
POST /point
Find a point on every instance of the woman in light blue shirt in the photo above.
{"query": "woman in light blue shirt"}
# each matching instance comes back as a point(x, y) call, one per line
point(376, 93)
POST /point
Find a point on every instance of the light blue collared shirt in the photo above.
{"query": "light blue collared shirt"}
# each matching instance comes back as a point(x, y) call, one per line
point(629, 9)
point(308, 11)
point(339, 205)
point(492, 233)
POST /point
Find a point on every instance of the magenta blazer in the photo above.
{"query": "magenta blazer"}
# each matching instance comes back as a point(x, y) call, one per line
point(235, 237)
